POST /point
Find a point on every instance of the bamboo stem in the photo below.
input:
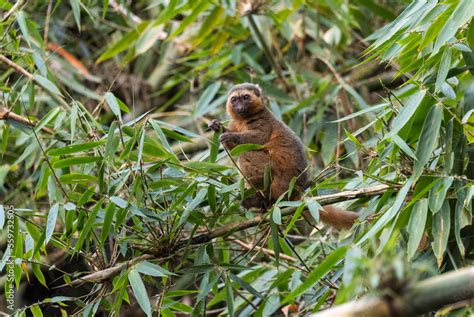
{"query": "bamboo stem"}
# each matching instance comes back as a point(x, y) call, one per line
point(423, 297)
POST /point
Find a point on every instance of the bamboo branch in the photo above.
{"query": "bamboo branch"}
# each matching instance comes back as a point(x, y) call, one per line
point(103, 275)
point(265, 251)
point(106, 274)
point(30, 76)
point(423, 297)
point(16, 67)
point(6, 114)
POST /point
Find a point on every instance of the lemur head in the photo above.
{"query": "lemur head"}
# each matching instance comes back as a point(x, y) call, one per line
point(245, 100)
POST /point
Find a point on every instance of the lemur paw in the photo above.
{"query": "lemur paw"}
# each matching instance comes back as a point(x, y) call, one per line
point(215, 125)
point(228, 139)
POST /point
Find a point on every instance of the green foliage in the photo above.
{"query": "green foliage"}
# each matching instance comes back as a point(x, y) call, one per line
point(121, 176)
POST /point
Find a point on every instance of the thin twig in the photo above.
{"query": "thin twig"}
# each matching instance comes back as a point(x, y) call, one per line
point(264, 250)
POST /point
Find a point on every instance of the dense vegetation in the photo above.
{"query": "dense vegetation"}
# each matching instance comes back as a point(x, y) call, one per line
point(126, 204)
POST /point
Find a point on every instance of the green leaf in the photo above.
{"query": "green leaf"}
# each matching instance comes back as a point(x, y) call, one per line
point(460, 16)
point(229, 297)
point(177, 129)
point(168, 12)
point(202, 106)
point(162, 137)
point(76, 11)
point(74, 148)
point(295, 217)
point(428, 137)
point(36, 311)
point(470, 35)
point(76, 161)
point(267, 177)
point(148, 38)
point(389, 214)
point(38, 274)
point(113, 104)
point(276, 215)
point(152, 269)
point(275, 242)
point(321, 270)
point(206, 167)
point(416, 226)
point(50, 116)
point(47, 84)
point(443, 69)
point(377, 9)
point(74, 178)
point(314, 206)
point(438, 194)
point(245, 286)
point(440, 231)
point(242, 148)
point(51, 222)
point(107, 224)
point(406, 113)
point(197, 9)
point(361, 112)
point(5, 135)
point(139, 291)
point(119, 202)
point(113, 141)
point(84, 234)
point(403, 146)
point(193, 205)
point(127, 41)
point(2, 216)
point(21, 19)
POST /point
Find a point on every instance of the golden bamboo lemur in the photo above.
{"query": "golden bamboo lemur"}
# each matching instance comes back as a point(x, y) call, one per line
point(283, 151)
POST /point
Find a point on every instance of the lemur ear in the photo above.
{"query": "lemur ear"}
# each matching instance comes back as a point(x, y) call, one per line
point(258, 90)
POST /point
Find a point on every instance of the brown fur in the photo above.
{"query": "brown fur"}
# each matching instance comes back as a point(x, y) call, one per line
point(253, 123)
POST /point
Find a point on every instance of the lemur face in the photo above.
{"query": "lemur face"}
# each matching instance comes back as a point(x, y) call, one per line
point(244, 100)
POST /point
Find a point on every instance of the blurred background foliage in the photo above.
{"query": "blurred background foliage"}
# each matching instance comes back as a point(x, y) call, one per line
point(110, 160)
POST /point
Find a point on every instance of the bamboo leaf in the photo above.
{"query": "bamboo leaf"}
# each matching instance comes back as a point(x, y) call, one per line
point(428, 137)
point(438, 194)
point(199, 7)
point(113, 104)
point(123, 43)
point(416, 226)
point(76, 11)
point(443, 69)
point(276, 215)
point(74, 148)
point(242, 148)
point(202, 105)
point(51, 222)
point(85, 232)
point(460, 16)
point(76, 161)
point(321, 270)
point(139, 291)
point(245, 286)
point(152, 269)
point(406, 113)
point(47, 84)
point(229, 296)
point(440, 231)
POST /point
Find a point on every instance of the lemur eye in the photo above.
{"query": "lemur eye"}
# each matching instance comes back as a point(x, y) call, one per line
point(233, 99)
point(246, 97)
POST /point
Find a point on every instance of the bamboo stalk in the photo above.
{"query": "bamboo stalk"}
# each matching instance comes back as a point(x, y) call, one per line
point(423, 297)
